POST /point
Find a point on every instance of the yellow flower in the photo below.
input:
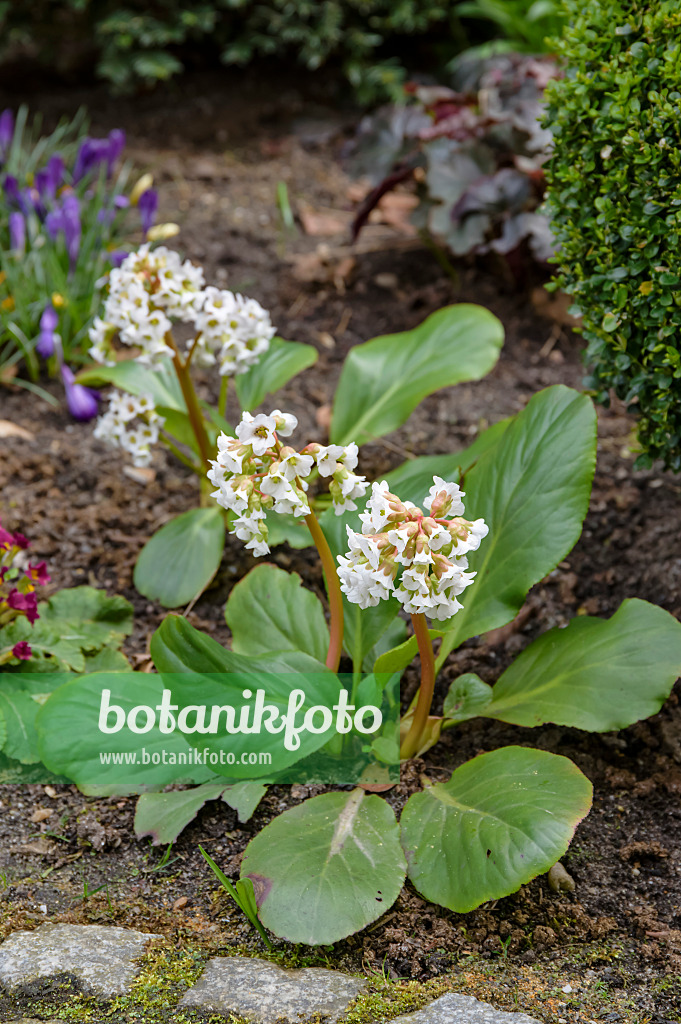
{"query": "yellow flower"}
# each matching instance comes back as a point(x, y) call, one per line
point(144, 183)
point(8, 303)
point(58, 300)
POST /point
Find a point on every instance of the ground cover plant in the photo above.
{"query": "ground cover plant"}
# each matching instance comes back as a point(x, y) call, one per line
point(476, 153)
point(65, 220)
point(614, 203)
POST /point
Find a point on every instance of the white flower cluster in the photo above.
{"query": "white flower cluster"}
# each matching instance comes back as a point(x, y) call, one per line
point(132, 423)
point(429, 548)
point(254, 473)
point(153, 288)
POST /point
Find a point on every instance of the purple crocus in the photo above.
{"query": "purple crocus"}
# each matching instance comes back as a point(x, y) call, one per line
point(17, 231)
point(116, 145)
point(48, 180)
point(66, 219)
point(83, 403)
point(13, 194)
point(46, 341)
point(6, 132)
point(147, 205)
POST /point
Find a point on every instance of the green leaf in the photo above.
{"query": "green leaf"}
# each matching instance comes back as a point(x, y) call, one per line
point(161, 382)
point(176, 647)
point(502, 819)
point(18, 712)
point(468, 696)
point(87, 604)
point(3, 729)
point(282, 361)
point(270, 610)
point(163, 816)
point(326, 868)
point(243, 895)
point(69, 740)
point(596, 674)
point(532, 489)
point(107, 660)
point(384, 380)
point(414, 478)
point(244, 797)
point(181, 558)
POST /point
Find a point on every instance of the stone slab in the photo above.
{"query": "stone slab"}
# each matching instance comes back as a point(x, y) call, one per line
point(264, 993)
point(457, 1009)
point(102, 959)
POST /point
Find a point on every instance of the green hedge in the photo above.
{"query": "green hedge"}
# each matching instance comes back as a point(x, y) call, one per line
point(615, 202)
point(145, 41)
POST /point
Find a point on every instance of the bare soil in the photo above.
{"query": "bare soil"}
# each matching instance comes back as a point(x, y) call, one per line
point(218, 163)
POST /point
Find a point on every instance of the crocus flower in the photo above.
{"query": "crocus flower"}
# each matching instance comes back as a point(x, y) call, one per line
point(148, 205)
point(48, 180)
point(46, 340)
point(17, 231)
point(26, 603)
point(6, 132)
point(13, 194)
point(66, 219)
point(116, 144)
point(117, 257)
point(22, 651)
point(81, 401)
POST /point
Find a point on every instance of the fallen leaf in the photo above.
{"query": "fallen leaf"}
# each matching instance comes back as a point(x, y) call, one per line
point(396, 209)
point(41, 814)
point(51, 792)
point(9, 429)
point(317, 223)
point(179, 904)
point(140, 474)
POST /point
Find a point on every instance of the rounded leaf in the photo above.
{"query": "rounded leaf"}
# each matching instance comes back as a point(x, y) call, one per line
point(502, 819)
point(181, 558)
point(326, 868)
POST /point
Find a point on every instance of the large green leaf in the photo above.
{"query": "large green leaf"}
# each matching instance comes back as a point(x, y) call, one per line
point(270, 610)
point(282, 361)
point(384, 380)
point(326, 868)
point(161, 382)
point(467, 697)
point(194, 665)
point(413, 479)
point(502, 819)
point(595, 674)
point(18, 712)
point(176, 647)
point(532, 489)
point(87, 604)
point(181, 558)
point(70, 742)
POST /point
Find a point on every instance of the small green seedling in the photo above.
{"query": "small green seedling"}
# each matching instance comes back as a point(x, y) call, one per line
point(243, 895)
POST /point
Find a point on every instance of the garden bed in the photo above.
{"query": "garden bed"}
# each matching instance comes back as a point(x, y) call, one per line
point(88, 515)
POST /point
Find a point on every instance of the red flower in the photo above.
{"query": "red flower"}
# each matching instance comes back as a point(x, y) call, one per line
point(22, 651)
point(20, 541)
point(38, 573)
point(26, 603)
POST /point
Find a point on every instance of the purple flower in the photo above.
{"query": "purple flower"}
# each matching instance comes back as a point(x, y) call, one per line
point(48, 180)
point(82, 401)
point(22, 651)
point(17, 231)
point(66, 219)
point(38, 574)
point(147, 205)
point(6, 539)
point(46, 340)
point(13, 194)
point(6, 132)
point(116, 144)
point(19, 541)
point(26, 603)
point(117, 257)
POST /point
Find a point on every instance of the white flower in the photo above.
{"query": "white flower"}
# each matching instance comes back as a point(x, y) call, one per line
point(257, 431)
point(132, 423)
point(327, 458)
point(296, 465)
point(449, 494)
point(286, 422)
point(251, 528)
point(378, 509)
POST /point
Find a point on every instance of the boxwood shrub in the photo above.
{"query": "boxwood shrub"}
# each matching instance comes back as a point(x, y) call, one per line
point(614, 198)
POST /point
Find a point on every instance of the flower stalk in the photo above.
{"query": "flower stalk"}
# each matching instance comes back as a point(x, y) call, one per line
point(333, 590)
point(413, 740)
point(191, 401)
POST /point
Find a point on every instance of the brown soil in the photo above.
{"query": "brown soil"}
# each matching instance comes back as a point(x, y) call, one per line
point(88, 519)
